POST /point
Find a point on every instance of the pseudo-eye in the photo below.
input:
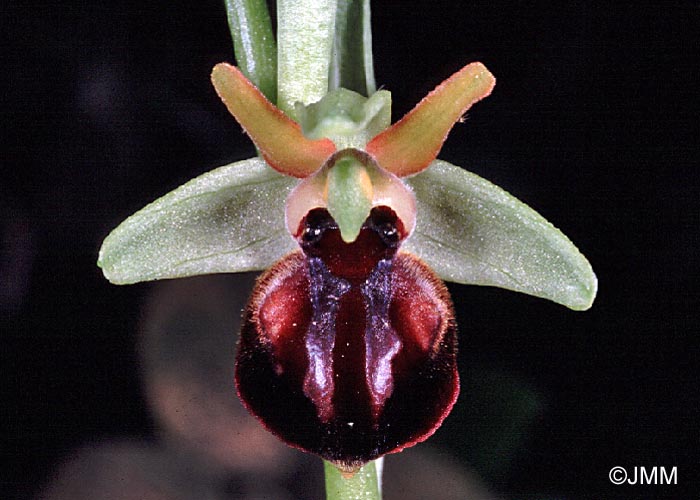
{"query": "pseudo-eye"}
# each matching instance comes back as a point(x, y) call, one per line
point(348, 345)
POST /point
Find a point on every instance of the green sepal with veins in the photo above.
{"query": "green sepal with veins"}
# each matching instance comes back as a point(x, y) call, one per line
point(473, 232)
point(219, 222)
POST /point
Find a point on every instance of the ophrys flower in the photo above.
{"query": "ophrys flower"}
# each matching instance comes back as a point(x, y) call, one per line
point(348, 348)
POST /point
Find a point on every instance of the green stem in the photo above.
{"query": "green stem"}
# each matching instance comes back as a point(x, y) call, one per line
point(363, 485)
point(254, 43)
point(305, 30)
point(351, 61)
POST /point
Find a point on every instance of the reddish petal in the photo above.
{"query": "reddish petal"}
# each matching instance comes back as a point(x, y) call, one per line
point(279, 139)
point(314, 318)
point(408, 146)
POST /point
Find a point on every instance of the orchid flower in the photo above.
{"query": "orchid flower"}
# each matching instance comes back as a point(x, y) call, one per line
point(348, 344)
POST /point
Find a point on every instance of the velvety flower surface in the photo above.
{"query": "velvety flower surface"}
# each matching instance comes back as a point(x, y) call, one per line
point(348, 348)
point(354, 344)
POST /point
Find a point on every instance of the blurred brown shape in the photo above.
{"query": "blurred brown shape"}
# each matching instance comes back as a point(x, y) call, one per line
point(425, 473)
point(189, 330)
point(125, 471)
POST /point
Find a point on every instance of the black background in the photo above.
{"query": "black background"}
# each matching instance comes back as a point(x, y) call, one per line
point(593, 122)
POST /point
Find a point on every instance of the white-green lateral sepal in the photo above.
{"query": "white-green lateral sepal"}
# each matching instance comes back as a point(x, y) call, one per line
point(471, 231)
point(222, 221)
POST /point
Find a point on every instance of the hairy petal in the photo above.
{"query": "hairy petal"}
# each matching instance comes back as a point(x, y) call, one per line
point(279, 138)
point(471, 231)
point(408, 146)
point(216, 223)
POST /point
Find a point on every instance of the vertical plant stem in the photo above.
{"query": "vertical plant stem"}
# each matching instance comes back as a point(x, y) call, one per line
point(305, 33)
point(363, 485)
point(352, 64)
point(254, 43)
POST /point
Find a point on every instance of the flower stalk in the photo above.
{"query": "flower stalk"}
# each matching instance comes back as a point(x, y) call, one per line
point(363, 485)
point(254, 44)
point(305, 34)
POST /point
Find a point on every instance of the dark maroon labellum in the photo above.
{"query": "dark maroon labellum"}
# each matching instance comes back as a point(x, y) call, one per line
point(348, 350)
